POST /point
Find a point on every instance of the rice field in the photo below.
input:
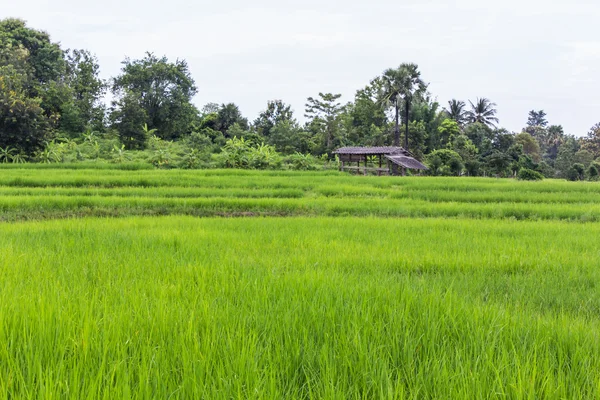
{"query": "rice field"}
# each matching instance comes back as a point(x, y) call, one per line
point(259, 285)
point(61, 193)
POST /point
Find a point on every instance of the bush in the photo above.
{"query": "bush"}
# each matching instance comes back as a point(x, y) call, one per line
point(593, 172)
point(444, 162)
point(576, 172)
point(526, 174)
point(238, 153)
point(301, 162)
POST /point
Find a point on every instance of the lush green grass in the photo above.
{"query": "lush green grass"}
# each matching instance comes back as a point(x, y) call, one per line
point(51, 193)
point(484, 288)
point(299, 308)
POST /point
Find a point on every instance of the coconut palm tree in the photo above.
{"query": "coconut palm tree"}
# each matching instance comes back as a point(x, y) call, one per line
point(399, 87)
point(456, 111)
point(483, 111)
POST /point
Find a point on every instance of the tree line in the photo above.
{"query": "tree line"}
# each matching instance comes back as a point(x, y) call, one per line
point(52, 109)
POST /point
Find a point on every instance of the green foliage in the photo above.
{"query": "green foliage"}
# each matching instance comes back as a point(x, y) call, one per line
point(584, 157)
point(23, 124)
point(576, 172)
point(498, 163)
point(529, 175)
point(45, 60)
point(537, 119)
point(264, 157)
point(277, 112)
point(7, 154)
point(85, 109)
point(156, 92)
point(444, 162)
point(120, 155)
point(592, 141)
point(130, 118)
point(457, 112)
point(447, 131)
point(593, 172)
point(481, 136)
point(365, 121)
point(529, 145)
point(399, 86)
point(238, 153)
point(324, 114)
point(301, 162)
point(228, 116)
point(482, 112)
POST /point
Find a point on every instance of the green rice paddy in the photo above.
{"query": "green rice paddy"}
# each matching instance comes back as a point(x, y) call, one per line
point(260, 285)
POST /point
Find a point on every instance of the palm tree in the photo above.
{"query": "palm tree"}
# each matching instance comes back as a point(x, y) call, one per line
point(456, 111)
point(399, 87)
point(483, 111)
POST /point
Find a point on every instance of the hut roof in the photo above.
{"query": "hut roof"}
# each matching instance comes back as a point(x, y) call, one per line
point(406, 162)
point(372, 151)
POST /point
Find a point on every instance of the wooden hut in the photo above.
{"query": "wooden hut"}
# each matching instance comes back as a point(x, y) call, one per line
point(351, 159)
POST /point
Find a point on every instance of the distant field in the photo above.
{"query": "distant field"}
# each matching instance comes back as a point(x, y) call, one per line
point(483, 288)
point(57, 193)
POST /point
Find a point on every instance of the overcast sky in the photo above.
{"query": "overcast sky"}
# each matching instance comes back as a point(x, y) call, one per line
point(521, 54)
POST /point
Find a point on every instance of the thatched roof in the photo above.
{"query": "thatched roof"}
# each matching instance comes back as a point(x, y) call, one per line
point(372, 151)
point(406, 162)
point(396, 155)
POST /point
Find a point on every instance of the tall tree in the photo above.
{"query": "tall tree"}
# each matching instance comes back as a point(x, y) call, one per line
point(457, 111)
point(229, 115)
point(131, 121)
point(537, 119)
point(82, 76)
point(592, 141)
point(45, 59)
point(24, 126)
point(399, 87)
point(324, 112)
point(277, 112)
point(164, 90)
point(366, 121)
point(483, 111)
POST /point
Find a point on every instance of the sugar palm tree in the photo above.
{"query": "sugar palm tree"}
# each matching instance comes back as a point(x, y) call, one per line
point(399, 87)
point(456, 111)
point(483, 111)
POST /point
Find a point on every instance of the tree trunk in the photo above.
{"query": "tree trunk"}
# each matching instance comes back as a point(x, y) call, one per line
point(397, 131)
point(406, 124)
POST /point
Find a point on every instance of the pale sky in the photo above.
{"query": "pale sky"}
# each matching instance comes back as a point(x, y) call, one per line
point(521, 54)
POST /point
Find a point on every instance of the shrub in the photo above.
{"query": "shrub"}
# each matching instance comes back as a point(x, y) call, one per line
point(444, 162)
point(593, 172)
point(300, 162)
point(238, 153)
point(526, 174)
point(576, 172)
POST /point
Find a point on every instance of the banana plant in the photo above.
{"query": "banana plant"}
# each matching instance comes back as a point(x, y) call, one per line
point(7, 154)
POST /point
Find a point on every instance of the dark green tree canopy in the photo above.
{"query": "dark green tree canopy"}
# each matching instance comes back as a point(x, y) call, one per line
point(537, 118)
point(324, 114)
point(82, 75)
point(45, 59)
point(164, 91)
point(277, 112)
point(229, 115)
